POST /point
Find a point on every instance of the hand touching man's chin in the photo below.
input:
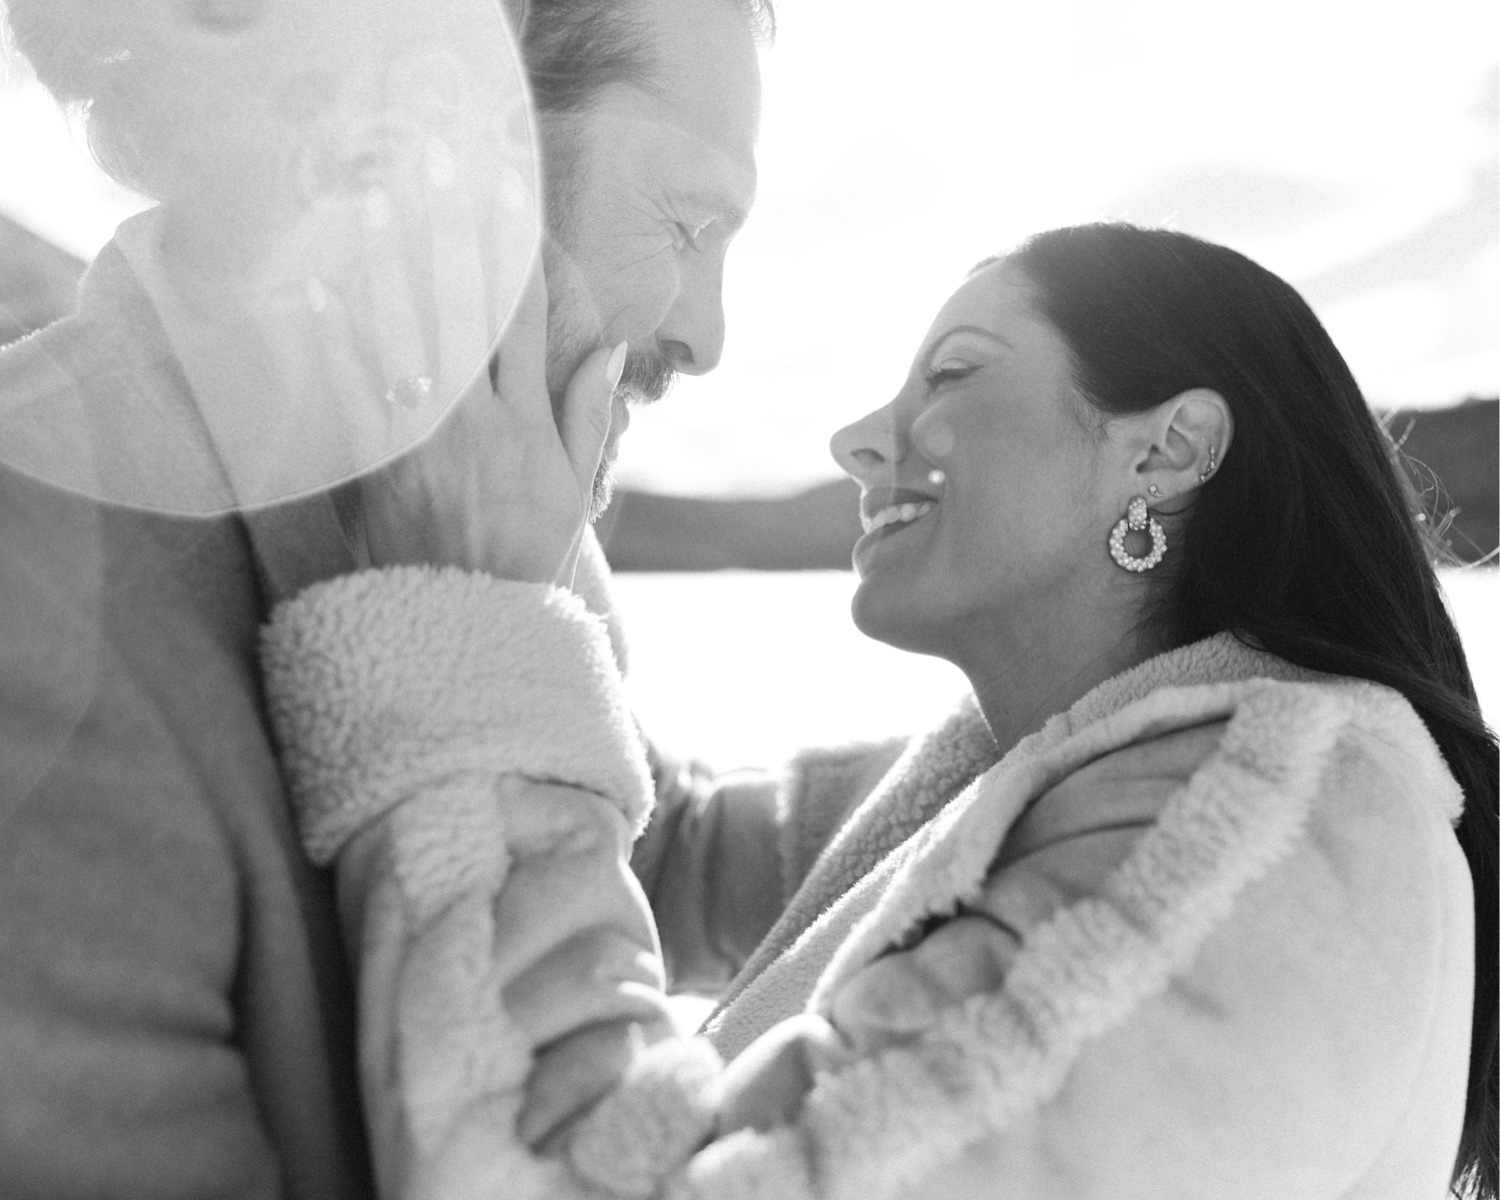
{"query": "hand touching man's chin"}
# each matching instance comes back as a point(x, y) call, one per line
point(648, 377)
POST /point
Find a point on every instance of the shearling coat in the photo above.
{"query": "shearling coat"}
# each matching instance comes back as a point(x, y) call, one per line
point(427, 719)
point(1246, 967)
point(1246, 949)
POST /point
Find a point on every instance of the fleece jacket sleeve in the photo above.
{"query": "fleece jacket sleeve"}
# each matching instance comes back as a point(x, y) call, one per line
point(1261, 991)
point(459, 747)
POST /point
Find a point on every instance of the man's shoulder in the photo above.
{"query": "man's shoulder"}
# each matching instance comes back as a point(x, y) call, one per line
point(65, 555)
point(125, 638)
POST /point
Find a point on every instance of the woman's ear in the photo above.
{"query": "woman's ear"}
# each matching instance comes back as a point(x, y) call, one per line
point(1190, 434)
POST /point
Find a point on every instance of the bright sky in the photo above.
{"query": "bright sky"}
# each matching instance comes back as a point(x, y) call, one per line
point(1347, 145)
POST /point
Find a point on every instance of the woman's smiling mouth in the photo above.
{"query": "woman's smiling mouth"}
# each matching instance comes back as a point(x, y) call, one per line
point(896, 514)
point(884, 512)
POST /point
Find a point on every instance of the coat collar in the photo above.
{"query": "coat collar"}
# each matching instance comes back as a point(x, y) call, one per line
point(1283, 721)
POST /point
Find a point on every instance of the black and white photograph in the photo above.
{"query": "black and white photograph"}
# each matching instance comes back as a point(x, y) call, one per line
point(749, 600)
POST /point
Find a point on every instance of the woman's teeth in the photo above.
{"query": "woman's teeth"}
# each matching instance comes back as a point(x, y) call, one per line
point(898, 514)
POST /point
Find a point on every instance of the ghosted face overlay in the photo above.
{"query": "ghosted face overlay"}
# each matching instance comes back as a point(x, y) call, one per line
point(984, 491)
point(648, 187)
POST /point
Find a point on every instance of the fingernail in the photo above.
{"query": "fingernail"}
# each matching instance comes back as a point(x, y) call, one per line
point(615, 367)
point(317, 294)
point(442, 171)
point(512, 189)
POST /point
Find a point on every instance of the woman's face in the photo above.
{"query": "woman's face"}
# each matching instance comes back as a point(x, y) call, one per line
point(981, 497)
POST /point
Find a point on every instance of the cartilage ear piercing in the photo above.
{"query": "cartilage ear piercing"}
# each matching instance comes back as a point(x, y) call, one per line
point(1135, 520)
point(1212, 465)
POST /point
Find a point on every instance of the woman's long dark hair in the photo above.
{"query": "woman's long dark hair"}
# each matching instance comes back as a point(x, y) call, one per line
point(1310, 541)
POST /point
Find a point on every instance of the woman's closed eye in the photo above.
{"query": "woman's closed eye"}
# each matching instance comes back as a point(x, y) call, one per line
point(935, 377)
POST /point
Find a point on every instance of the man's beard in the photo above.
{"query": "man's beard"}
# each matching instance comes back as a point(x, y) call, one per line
point(648, 373)
point(648, 376)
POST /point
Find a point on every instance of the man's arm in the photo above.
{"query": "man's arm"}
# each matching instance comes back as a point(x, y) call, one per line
point(724, 854)
point(711, 864)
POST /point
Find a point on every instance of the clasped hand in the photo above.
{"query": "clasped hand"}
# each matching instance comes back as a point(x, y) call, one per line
point(892, 1001)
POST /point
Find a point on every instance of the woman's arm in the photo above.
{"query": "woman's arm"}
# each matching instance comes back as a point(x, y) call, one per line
point(459, 750)
point(1261, 991)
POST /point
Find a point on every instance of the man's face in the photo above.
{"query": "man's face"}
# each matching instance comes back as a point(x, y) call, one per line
point(648, 188)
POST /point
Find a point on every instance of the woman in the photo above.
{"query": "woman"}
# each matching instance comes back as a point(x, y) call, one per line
point(1173, 907)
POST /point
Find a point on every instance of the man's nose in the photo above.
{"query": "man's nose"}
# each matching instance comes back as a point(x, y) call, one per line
point(692, 334)
point(869, 445)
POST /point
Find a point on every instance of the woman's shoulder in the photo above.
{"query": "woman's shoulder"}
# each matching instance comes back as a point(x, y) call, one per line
point(1241, 951)
point(1244, 774)
point(1302, 750)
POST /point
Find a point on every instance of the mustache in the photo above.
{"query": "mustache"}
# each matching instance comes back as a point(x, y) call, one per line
point(648, 375)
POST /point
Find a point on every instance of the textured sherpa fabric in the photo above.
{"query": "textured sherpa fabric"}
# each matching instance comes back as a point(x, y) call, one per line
point(820, 788)
point(379, 680)
point(929, 772)
point(441, 731)
point(1266, 994)
point(662, 1111)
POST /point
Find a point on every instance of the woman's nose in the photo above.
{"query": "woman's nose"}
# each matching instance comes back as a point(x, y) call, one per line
point(869, 444)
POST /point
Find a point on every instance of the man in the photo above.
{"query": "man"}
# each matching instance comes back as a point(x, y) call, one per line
point(645, 185)
point(176, 1017)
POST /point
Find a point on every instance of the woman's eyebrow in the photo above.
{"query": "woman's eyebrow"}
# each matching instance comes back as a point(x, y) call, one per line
point(948, 334)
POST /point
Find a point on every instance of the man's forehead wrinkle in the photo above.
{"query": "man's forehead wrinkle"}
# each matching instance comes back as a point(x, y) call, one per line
point(653, 106)
point(701, 177)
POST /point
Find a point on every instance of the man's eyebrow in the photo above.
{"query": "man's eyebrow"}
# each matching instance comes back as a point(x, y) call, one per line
point(948, 334)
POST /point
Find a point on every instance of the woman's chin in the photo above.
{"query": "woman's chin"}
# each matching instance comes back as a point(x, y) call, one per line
point(887, 614)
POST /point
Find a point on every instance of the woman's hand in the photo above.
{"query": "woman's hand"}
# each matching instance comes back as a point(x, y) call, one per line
point(502, 486)
point(766, 1084)
point(892, 1001)
point(902, 993)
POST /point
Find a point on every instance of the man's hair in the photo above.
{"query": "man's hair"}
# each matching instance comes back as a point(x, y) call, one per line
point(574, 49)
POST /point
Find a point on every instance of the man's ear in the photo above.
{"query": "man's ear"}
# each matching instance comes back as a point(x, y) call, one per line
point(1189, 437)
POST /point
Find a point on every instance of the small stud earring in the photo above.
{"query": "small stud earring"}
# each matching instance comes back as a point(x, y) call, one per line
point(1155, 492)
point(937, 478)
point(1136, 520)
point(1212, 465)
